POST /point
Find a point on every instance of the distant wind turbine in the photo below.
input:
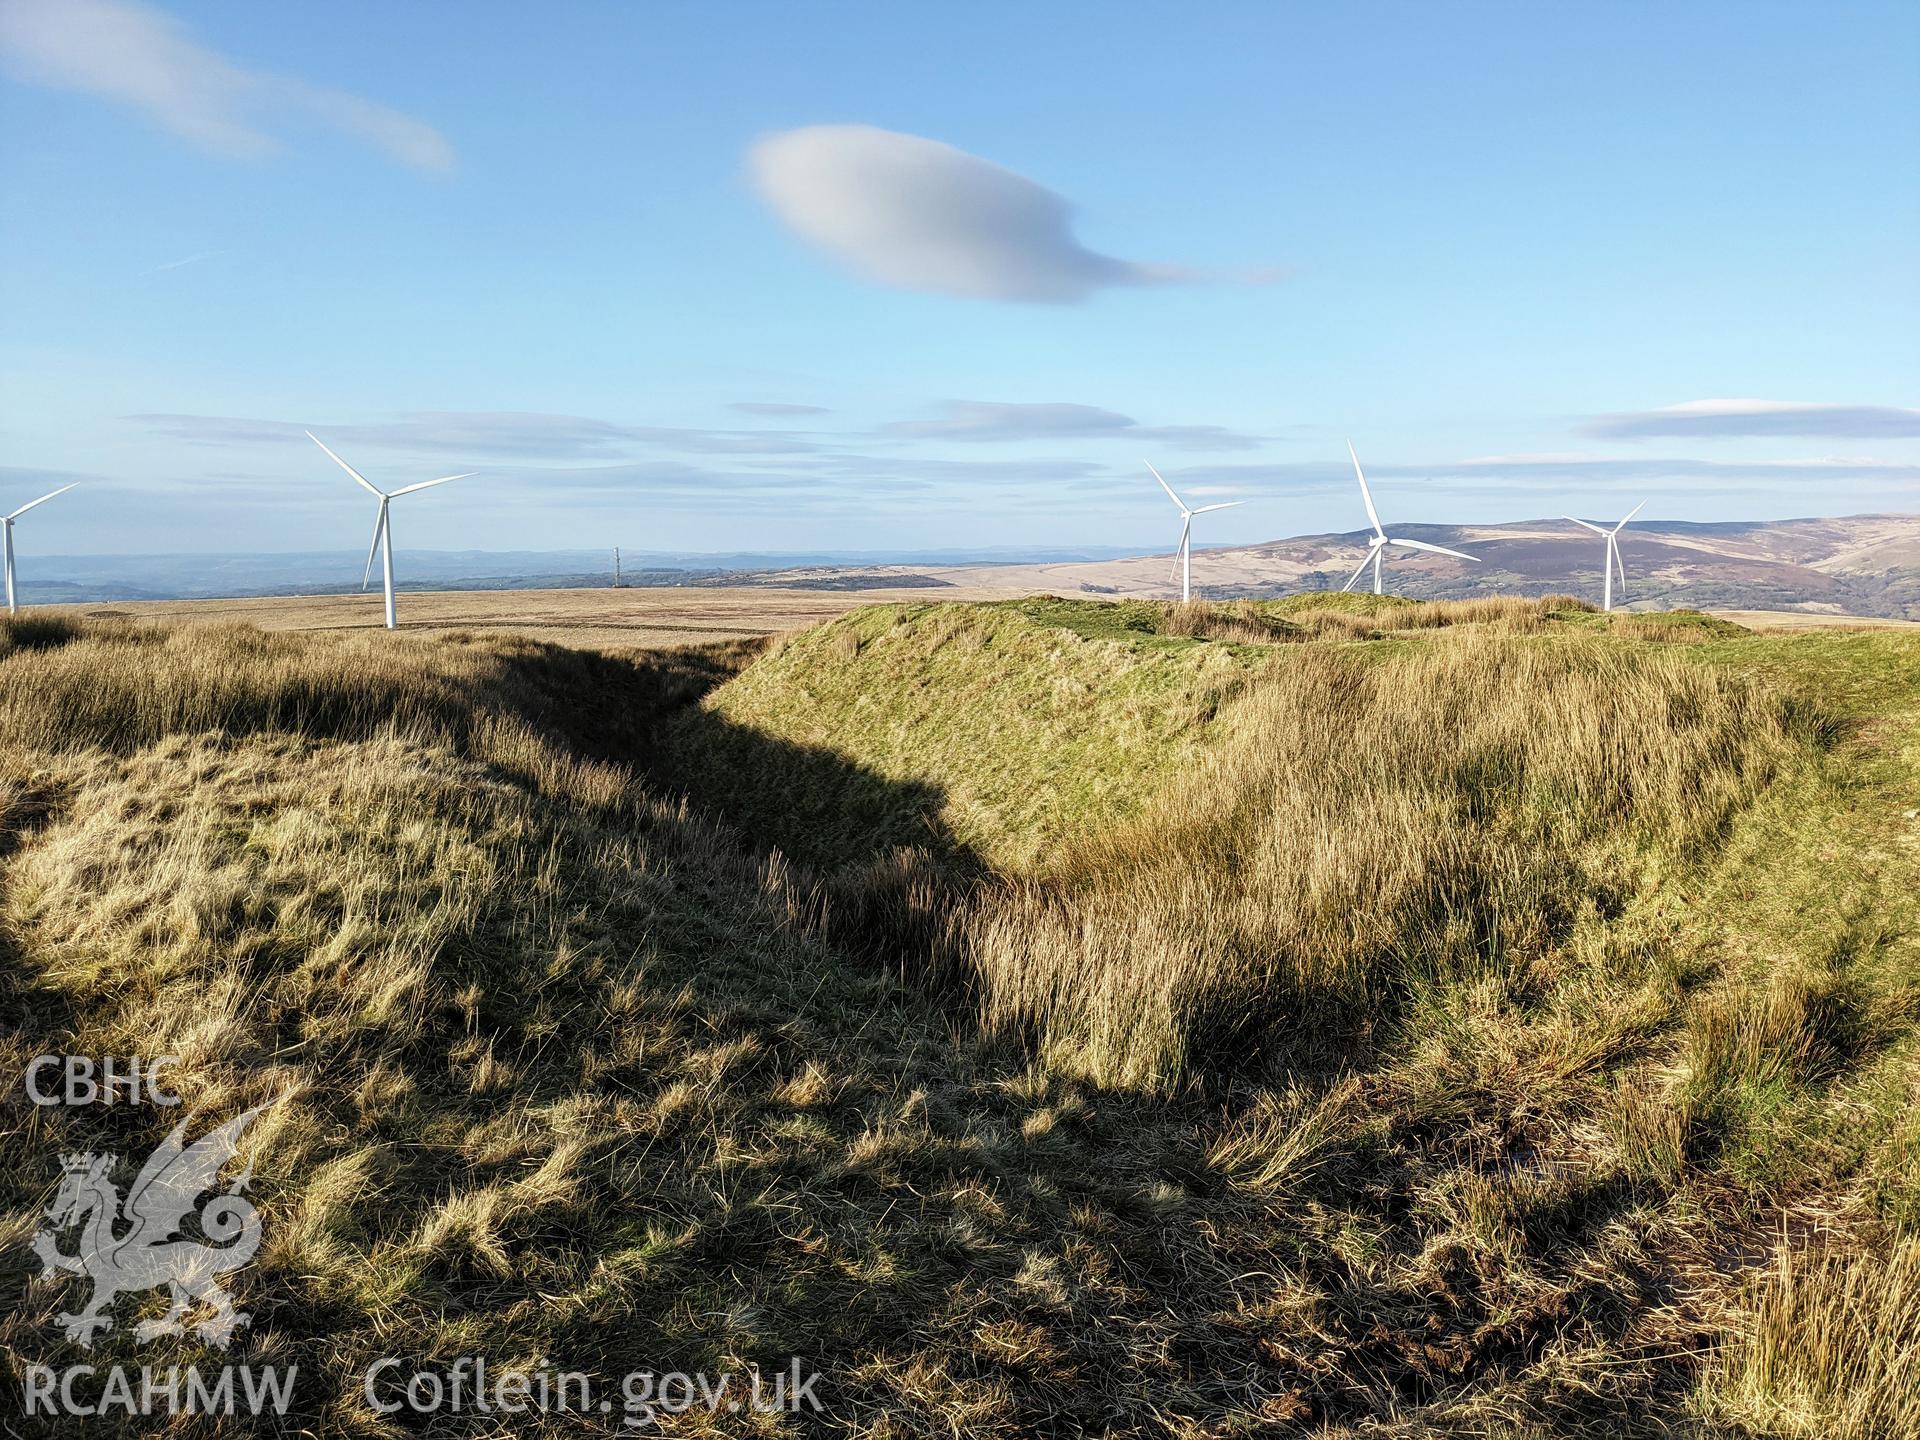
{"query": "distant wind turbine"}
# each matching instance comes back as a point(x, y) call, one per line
point(6, 536)
point(1376, 547)
point(1612, 560)
point(382, 532)
point(1183, 558)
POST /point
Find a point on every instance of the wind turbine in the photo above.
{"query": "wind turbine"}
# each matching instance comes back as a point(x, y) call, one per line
point(6, 536)
point(1183, 558)
point(1612, 560)
point(382, 533)
point(1376, 547)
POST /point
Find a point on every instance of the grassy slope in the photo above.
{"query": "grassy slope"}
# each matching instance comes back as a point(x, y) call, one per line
point(1003, 729)
point(1803, 1057)
point(563, 1077)
point(995, 729)
point(571, 1075)
point(1735, 1045)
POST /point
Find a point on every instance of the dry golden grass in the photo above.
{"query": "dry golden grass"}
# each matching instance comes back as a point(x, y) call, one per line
point(597, 618)
point(1335, 616)
point(1443, 1138)
point(1239, 623)
point(119, 687)
point(1507, 612)
point(1362, 827)
point(1833, 1350)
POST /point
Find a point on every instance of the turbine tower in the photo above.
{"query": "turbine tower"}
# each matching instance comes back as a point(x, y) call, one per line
point(382, 533)
point(1611, 561)
point(6, 537)
point(1377, 545)
point(1183, 558)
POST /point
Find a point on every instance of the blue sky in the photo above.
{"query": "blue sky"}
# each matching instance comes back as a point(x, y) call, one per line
point(965, 268)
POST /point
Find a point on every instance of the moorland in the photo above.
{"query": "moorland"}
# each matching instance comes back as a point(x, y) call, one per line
point(1325, 1016)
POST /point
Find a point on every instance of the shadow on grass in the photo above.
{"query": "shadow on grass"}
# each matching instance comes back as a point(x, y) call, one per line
point(646, 1114)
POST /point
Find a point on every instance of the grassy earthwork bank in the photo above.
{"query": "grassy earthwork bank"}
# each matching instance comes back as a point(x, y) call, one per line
point(1331, 1016)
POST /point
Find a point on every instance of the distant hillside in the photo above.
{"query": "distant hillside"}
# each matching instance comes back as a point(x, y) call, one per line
point(1860, 565)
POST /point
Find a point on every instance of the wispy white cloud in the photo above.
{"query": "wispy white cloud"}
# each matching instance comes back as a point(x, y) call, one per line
point(184, 262)
point(504, 433)
point(983, 420)
point(1710, 418)
point(961, 475)
point(1546, 476)
point(808, 469)
point(143, 57)
point(917, 214)
point(776, 409)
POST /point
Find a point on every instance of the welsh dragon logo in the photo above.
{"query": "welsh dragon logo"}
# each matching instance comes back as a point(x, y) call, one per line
point(148, 1251)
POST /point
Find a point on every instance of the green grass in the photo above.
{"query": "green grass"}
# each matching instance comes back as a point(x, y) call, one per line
point(997, 731)
point(1000, 731)
point(567, 1068)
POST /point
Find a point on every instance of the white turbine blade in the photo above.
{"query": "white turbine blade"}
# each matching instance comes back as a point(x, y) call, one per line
point(1365, 561)
point(1365, 494)
point(1583, 524)
point(1630, 514)
point(1186, 533)
point(1434, 549)
point(365, 483)
point(379, 525)
point(1225, 505)
point(1168, 488)
point(426, 484)
point(41, 501)
point(1619, 564)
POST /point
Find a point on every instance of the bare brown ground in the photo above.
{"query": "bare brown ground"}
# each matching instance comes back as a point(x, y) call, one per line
point(594, 619)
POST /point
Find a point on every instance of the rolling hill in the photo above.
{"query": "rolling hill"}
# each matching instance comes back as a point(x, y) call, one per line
point(1860, 565)
point(1866, 565)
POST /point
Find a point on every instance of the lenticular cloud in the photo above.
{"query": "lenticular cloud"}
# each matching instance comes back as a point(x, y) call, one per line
point(914, 213)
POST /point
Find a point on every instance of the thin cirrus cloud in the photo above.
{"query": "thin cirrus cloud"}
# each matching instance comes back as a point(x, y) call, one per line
point(919, 215)
point(1707, 419)
point(499, 433)
point(776, 409)
point(1542, 477)
point(983, 420)
point(184, 262)
point(132, 53)
point(22, 479)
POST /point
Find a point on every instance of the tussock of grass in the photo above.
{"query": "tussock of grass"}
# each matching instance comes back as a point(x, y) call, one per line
point(1241, 623)
point(1687, 627)
point(1833, 1350)
point(1361, 829)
